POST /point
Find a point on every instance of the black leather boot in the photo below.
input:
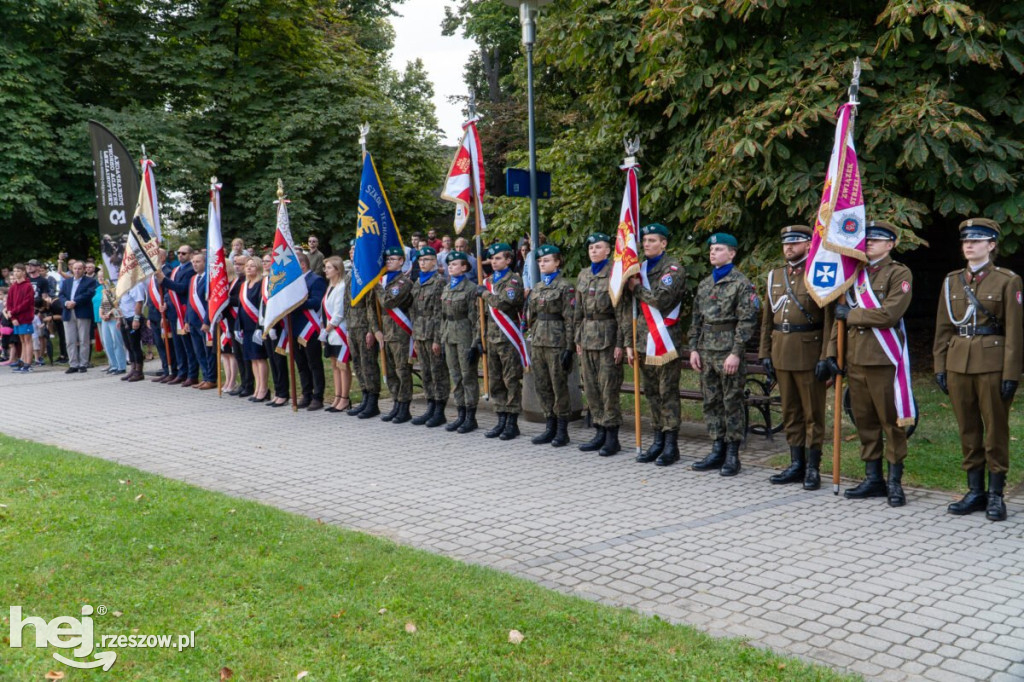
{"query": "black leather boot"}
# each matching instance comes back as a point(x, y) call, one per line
point(895, 486)
point(670, 452)
point(392, 414)
point(611, 442)
point(511, 427)
point(372, 409)
point(975, 499)
point(499, 427)
point(731, 466)
point(714, 460)
point(438, 418)
point(452, 426)
point(356, 409)
point(872, 486)
point(996, 510)
point(561, 438)
point(652, 452)
point(403, 413)
point(596, 442)
point(470, 422)
point(794, 473)
point(812, 477)
point(426, 416)
point(548, 433)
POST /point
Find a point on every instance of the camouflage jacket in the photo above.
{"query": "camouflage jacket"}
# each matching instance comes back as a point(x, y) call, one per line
point(395, 294)
point(599, 324)
point(426, 309)
point(460, 314)
point(362, 315)
point(552, 314)
point(668, 283)
point(725, 314)
point(507, 297)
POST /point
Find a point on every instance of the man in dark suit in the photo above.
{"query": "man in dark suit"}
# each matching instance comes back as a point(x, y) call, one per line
point(76, 295)
point(198, 318)
point(175, 284)
point(156, 300)
point(305, 322)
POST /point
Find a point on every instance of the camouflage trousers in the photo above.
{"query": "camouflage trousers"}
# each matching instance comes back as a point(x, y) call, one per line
point(398, 371)
point(661, 386)
point(551, 380)
point(365, 361)
point(434, 372)
point(602, 381)
point(505, 377)
point(463, 374)
point(803, 407)
point(724, 406)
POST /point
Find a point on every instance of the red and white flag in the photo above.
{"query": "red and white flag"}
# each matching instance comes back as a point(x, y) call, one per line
point(216, 265)
point(627, 261)
point(465, 176)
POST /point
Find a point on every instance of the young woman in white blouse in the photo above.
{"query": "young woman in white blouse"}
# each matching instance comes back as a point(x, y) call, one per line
point(335, 333)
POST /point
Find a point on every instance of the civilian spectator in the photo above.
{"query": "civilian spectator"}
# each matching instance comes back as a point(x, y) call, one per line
point(237, 249)
point(462, 244)
point(335, 333)
point(5, 277)
point(131, 329)
point(433, 241)
point(76, 303)
point(20, 308)
point(316, 258)
point(110, 331)
point(38, 279)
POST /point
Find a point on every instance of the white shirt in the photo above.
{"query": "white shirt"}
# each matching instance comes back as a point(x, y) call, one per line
point(136, 294)
point(335, 309)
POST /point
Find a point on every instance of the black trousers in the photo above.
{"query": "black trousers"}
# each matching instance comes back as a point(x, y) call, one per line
point(168, 363)
point(309, 361)
point(244, 367)
point(132, 341)
point(278, 369)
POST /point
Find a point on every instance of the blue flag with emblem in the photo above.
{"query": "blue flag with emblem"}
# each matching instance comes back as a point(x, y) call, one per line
point(376, 230)
point(287, 285)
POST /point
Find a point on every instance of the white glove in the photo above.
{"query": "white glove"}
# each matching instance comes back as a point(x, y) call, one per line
point(238, 337)
point(257, 337)
point(323, 336)
point(273, 334)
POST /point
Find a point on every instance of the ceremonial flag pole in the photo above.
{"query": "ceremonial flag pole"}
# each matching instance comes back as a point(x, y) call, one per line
point(364, 130)
point(838, 244)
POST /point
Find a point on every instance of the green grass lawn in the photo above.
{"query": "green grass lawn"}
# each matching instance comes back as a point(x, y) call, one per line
point(270, 594)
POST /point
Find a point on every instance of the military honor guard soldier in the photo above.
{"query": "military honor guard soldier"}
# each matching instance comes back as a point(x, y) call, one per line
point(426, 325)
point(600, 330)
point(395, 299)
point(725, 316)
point(977, 355)
point(460, 336)
point(793, 351)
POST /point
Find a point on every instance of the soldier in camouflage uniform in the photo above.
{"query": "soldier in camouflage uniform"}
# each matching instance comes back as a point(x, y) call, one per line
point(460, 336)
point(552, 311)
point(504, 362)
point(426, 326)
point(601, 329)
point(396, 299)
point(660, 286)
point(363, 330)
point(725, 315)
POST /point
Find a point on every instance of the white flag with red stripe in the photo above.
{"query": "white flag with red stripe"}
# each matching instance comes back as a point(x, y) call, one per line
point(216, 265)
point(465, 176)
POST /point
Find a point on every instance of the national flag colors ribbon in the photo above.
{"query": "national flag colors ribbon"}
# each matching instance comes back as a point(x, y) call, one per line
point(376, 230)
point(465, 176)
point(627, 260)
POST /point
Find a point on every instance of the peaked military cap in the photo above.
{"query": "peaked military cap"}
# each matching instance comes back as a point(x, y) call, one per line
point(883, 230)
point(796, 233)
point(598, 237)
point(458, 255)
point(724, 239)
point(426, 251)
point(654, 228)
point(497, 247)
point(548, 250)
point(394, 251)
point(979, 228)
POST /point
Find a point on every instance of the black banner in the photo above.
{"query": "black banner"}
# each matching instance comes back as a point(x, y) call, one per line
point(117, 191)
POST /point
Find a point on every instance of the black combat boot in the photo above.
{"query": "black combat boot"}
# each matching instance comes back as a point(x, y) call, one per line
point(812, 479)
point(356, 409)
point(652, 452)
point(392, 414)
point(438, 417)
point(372, 409)
point(561, 438)
point(996, 510)
point(975, 499)
point(499, 427)
point(426, 416)
point(872, 486)
point(403, 413)
point(611, 442)
point(547, 435)
point(895, 486)
point(796, 470)
point(470, 422)
point(670, 452)
point(511, 427)
point(452, 426)
point(731, 466)
point(596, 442)
point(713, 460)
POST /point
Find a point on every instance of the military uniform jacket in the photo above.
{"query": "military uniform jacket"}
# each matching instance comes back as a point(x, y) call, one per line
point(507, 296)
point(552, 314)
point(725, 314)
point(426, 309)
point(460, 314)
point(999, 291)
point(793, 351)
point(599, 324)
point(395, 294)
point(362, 315)
point(668, 283)
point(892, 283)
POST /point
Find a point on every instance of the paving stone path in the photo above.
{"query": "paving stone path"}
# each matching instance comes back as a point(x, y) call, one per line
point(891, 594)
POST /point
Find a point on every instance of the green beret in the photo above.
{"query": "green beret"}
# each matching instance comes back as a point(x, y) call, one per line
point(979, 229)
point(497, 247)
point(458, 255)
point(394, 251)
point(796, 233)
point(549, 250)
point(724, 239)
point(599, 237)
point(654, 228)
point(426, 251)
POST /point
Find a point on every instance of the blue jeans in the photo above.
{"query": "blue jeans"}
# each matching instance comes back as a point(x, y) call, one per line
point(113, 344)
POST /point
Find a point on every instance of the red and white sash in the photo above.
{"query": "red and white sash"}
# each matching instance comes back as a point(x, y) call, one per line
point(509, 328)
point(895, 350)
point(197, 302)
point(156, 300)
point(179, 307)
point(250, 309)
point(284, 344)
point(660, 349)
point(310, 328)
point(399, 317)
point(225, 336)
point(344, 355)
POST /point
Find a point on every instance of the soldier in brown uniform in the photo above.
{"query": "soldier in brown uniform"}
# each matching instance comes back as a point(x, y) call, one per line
point(426, 329)
point(552, 307)
point(870, 372)
point(601, 329)
point(396, 299)
point(363, 330)
point(660, 286)
point(793, 350)
point(978, 346)
point(460, 335)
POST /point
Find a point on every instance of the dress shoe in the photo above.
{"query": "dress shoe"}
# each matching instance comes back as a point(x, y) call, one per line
point(159, 379)
point(71, 370)
point(246, 393)
point(188, 383)
point(175, 381)
point(206, 386)
point(137, 376)
point(235, 391)
point(314, 405)
point(277, 404)
point(303, 402)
